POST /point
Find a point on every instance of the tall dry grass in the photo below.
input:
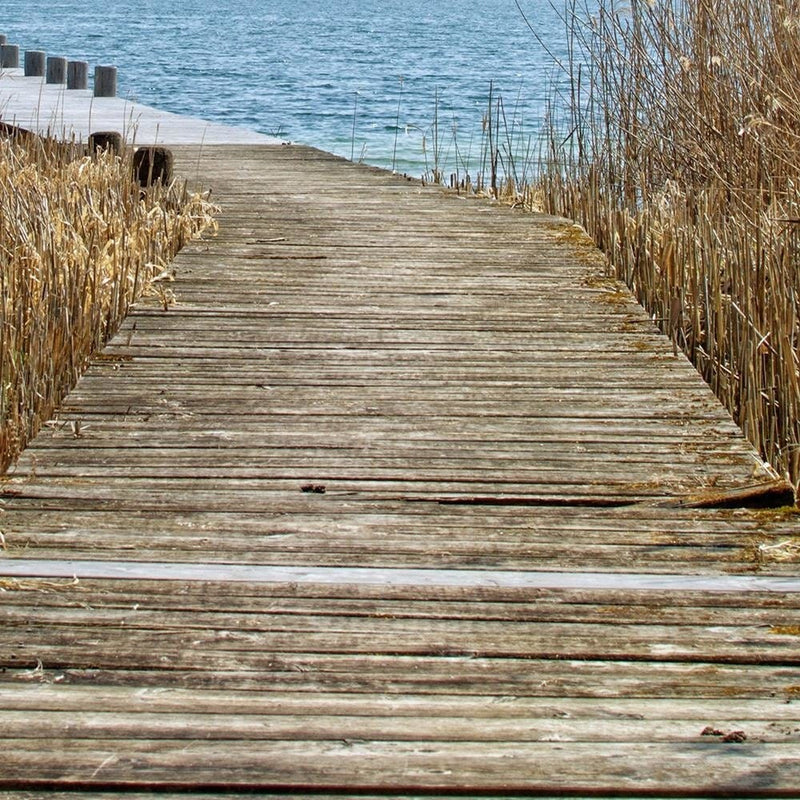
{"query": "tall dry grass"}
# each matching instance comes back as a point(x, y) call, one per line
point(680, 155)
point(79, 242)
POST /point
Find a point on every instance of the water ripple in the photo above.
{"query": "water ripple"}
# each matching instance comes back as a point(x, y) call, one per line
point(305, 70)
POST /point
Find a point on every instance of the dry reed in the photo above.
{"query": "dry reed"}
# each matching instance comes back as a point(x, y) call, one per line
point(681, 158)
point(79, 242)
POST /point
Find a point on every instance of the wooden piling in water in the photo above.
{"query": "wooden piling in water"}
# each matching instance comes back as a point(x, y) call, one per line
point(35, 63)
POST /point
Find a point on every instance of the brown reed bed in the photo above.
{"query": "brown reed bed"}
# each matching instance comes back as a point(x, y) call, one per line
point(80, 241)
point(680, 155)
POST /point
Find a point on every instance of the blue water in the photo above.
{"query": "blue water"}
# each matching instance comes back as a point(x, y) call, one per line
point(335, 74)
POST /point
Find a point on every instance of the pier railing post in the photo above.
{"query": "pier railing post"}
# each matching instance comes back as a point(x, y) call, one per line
point(35, 63)
point(105, 81)
point(56, 69)
point(3, 38)
point(9, 56)
point(77, 75)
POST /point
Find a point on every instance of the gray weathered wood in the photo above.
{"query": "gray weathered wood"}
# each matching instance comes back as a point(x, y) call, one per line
point(710, 767)
point(105, 140)
point(37, 106)
point(105, 81)
point(35, 63)
point(9, 56)
point(56, 69)
point(77, 75)
point(482, 405)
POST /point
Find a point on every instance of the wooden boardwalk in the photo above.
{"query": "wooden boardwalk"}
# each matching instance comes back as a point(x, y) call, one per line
point(355, 503)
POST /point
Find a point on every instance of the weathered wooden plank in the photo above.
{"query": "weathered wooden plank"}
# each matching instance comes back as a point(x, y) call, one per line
point(735, 617)
point(79, 647)
point(483, 601)
point(536, 767)
point(62, 697)
point(261, 494)
point(329, 530)
point(281, 794)
point(28, 794)
point(342, 517)
point(436, 553)
point(317, 547)
point(128, 427)
point(506, 479)
point(312, 725)
point(89, 449)
point(449, 675)
point(257, 488)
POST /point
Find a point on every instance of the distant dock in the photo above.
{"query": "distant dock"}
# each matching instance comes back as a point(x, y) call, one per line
point(47, 104)
point(404, 497)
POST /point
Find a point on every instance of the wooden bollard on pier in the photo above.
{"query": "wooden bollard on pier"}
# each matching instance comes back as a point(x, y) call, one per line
point(9, 56)
point(105, 140)
point(35, 63)
point(3, 38)
point(152, 164)
point(77, 75)
point(56, 69)
point(105, 81)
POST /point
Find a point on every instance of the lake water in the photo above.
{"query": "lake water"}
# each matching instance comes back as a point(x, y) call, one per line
point(397, 83)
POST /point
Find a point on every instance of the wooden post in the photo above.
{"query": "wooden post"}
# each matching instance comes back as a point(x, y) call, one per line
point(105, 140)
point(56, 69)
point(9, 56)
point(77, 75)
point(105, 81)
point(152, 164)
point(3, 38)
point(34, 63)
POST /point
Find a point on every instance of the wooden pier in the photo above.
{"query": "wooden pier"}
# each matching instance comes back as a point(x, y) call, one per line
point(52, 109)
point(402, 496)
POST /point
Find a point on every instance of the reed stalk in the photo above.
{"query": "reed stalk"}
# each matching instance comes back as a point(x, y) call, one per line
point(80, 241)
point(676, 144)
point(680, 155)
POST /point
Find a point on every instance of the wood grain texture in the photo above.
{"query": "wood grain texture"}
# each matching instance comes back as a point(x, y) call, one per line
point(401, 347)
point(363, 371)
point(285, 688)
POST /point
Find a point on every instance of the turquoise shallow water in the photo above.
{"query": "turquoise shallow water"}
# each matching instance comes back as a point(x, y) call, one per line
point(336, 74)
